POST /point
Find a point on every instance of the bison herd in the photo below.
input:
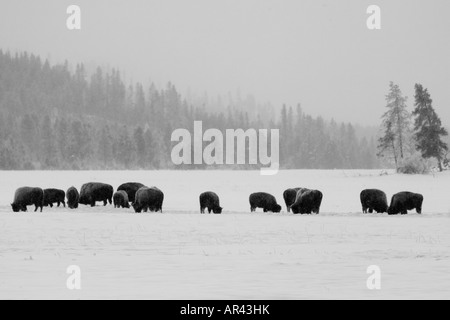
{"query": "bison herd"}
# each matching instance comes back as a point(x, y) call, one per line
point(144, 199)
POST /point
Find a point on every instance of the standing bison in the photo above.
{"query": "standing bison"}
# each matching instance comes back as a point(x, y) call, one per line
point(27, 196)
point(73, 197)
point(307, 202)
point(265, 201)
point(404, 201)
point(290, 195)
point(96, 192)
point(148, 199)
point(130, 188)
point(52, 196)
point(374, 200)
point(121, 199)
point(211, 201)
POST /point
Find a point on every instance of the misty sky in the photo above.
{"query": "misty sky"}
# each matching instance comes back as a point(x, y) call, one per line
point(318, 53)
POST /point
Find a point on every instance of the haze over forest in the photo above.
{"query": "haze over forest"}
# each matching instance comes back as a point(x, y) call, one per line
point(317, 53)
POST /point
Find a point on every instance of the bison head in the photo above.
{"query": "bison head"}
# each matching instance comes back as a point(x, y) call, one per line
point(277, 208)
point(137, 208)
point(218, 210)
point(18, 208)
point(391, 210)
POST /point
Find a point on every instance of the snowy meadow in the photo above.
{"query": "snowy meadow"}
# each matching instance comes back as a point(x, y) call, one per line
point(181, 254)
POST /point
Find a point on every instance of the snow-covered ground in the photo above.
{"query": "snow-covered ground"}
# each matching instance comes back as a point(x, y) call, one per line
point(237, 255)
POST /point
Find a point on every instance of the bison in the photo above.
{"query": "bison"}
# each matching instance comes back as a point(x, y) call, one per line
point(404, 201)
point(265, 201)
point(307, 202)
point(148, 199)
point(374, 200)
point(96, 192)
point(73, 197)
point(290, 195)
point(211, 201)
point(130, 188)
point(52, 196)
point(27, 196)
point(121, 199)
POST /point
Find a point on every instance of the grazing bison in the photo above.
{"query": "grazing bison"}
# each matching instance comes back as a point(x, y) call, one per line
point(52, 196)
point(95, 192)
point(290, 195)
point(265, 201)
point(148, 199)
point(130, 188)
point(307, 202)
point(404, 201)
point(121, 199)
point(27, 196)
point(73, 197)
point(374, 200)
point(211, 201)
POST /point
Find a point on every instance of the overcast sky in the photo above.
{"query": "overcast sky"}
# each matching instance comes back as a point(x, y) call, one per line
point(319, 53)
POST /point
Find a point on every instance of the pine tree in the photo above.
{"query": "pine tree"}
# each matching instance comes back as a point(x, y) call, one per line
point(428, 127)
point(105, 148)
point(396, 124)
point(387, 143)
point(141, 147)
point(47, 144)
point(62, 138)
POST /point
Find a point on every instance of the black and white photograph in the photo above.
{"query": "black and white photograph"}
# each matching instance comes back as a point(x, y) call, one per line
point(208, 151)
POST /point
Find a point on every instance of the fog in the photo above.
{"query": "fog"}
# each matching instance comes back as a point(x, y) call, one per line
point(318, 53)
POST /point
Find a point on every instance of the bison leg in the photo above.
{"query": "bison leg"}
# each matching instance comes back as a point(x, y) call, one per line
point(370, 210)
point(202, 210)
point(105, 202)
point(64, 204)
point(252, 209)
point(36, 209)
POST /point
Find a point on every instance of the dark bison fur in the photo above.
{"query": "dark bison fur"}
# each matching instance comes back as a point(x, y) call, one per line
point(211, 201)
point(27, 196)
point(148, 199)
point(96, 192)
point(290, 195)
point(307, 202)
point(265, 201)
point(52, 196)
point(130, 188)
point(404, 201)
point(73, 197)
point(120, 199)
point(374, 200)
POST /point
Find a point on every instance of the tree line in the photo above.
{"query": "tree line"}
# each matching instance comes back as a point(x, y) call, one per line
point(410, 140)
point(52, 117)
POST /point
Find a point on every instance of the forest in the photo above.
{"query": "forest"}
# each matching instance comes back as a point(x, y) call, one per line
point(58, 117)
